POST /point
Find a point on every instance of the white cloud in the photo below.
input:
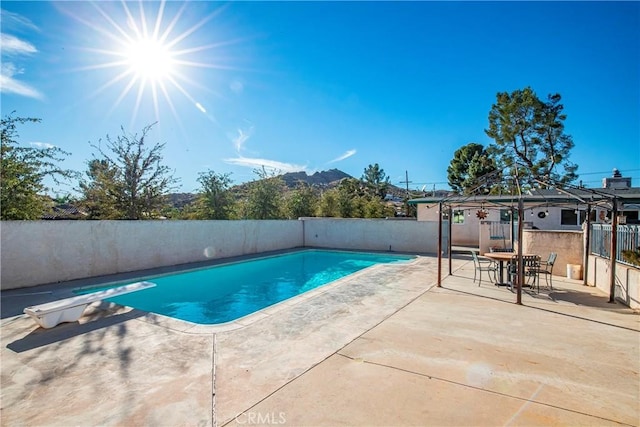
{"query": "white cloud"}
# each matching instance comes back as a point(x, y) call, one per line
point(12, 45)
point(344, 156)
point(268, 164)
point(41, 145)
point(10, 19)
point(241, 138)
point(10, 85)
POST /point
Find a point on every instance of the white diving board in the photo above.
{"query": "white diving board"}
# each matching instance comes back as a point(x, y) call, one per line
point(53, 313)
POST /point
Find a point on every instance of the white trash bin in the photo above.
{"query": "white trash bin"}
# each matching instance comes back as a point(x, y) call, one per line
point(574, 271)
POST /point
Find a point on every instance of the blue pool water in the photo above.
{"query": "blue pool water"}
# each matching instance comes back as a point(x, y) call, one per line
point(227, 292)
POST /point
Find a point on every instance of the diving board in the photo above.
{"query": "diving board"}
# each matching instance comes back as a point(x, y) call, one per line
point(70, 309)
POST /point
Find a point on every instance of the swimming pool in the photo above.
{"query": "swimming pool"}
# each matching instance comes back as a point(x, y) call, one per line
point(228, 292)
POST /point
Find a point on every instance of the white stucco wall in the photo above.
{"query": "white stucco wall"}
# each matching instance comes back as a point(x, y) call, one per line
point(567, 244)
point(373, 234)
point(37, 252)
point(465, 234)
point(627, 287)
point(488, 241)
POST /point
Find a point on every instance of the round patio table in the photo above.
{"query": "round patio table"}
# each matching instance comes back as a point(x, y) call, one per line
point(501, 257)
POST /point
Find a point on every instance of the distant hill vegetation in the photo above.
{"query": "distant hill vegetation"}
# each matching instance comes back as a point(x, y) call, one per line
point(319, 180)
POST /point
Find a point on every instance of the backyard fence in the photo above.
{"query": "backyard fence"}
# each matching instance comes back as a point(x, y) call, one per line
point(628, 239)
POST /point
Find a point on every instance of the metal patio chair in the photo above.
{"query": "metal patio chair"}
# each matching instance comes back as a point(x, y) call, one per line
point(483, 264)
point(530, 266)
point(546, 268)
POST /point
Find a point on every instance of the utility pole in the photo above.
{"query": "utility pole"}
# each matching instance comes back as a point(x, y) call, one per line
point(406, 202)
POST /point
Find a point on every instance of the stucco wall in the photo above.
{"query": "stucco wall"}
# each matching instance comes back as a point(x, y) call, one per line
point(37, 252)
point(492, 239)
point(373, 234)
point(567, 244)
point(627, 287)
point(466, 234)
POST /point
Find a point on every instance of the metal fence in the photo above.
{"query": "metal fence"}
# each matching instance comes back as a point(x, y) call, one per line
point(628, 239)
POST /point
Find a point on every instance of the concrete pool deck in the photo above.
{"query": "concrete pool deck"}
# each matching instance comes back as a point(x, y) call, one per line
point(384, 348)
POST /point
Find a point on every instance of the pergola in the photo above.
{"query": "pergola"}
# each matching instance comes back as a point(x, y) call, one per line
point(613, 199)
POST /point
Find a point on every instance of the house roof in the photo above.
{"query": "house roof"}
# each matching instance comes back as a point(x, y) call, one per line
point(64, 211)
point(628, 198)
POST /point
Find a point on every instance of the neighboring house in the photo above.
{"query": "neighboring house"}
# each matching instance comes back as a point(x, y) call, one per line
point(64, 211)
point(543, 209)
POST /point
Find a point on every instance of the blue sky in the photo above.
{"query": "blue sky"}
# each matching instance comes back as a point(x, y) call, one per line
point(319, 85)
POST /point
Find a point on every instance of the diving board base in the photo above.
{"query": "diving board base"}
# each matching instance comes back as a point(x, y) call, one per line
point(51, 314)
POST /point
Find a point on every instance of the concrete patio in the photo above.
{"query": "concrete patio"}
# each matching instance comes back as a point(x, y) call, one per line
point(384, 347)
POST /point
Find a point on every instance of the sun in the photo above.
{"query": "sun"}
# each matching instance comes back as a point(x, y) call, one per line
point(149, 46)
point(149, 59)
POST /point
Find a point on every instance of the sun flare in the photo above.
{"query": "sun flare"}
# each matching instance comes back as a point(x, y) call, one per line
point(151, 48)
point(149, 59)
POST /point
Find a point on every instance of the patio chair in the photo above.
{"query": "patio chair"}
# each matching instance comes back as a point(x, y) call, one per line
point(483, 264)
point(546, 268)
point(530, 266)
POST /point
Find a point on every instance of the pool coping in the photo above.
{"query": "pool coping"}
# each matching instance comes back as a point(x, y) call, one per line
point(66, 289)
point(251, 318)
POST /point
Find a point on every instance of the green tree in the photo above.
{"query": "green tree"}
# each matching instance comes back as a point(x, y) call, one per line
point(23, 171)
point(350, 199)
point(468, 168)
point(376, 180)
point(215, 200)
point(375, 208)
point(301, 202)
point(128, 181)
point(264, 198)
point(328, 206)
point(100, 190)
point(345, 204)
point(529, 137)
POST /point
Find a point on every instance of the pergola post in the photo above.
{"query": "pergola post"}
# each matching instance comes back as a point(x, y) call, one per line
point(614, 250)
point(449, 239)
point(520, 266)
point(587, 245)
point(439, 243)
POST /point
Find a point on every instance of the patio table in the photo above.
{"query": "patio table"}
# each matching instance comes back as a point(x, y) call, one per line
point(501, 257)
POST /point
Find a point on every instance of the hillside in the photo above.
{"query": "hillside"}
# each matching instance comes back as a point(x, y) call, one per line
point(319, 179)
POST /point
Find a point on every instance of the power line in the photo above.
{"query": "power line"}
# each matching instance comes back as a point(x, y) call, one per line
point(608, 172)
